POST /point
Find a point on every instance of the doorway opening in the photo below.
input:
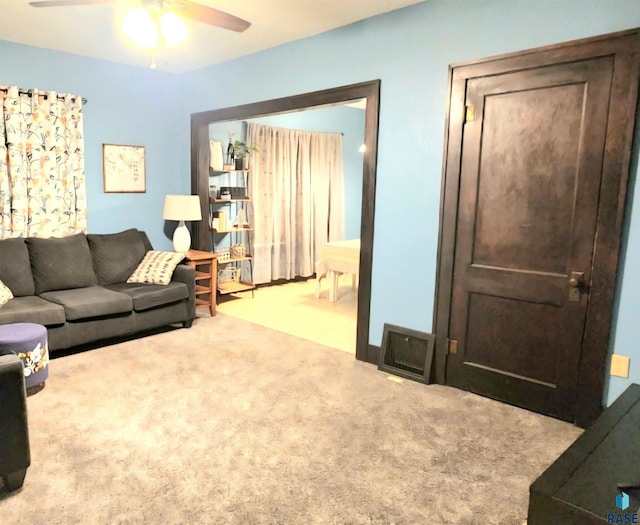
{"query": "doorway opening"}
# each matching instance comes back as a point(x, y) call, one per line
point(367, 91)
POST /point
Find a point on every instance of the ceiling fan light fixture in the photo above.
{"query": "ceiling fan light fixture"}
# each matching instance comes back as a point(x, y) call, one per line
point(140, 28)
point(173, 28)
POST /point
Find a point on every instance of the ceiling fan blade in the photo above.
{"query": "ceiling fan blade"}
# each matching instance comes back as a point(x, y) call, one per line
point(209, 15)
point(64, 3)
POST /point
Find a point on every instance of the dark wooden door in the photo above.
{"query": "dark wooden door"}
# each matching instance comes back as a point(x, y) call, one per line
point(532, 182)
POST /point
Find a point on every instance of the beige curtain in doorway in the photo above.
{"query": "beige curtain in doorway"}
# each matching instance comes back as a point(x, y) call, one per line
point(297, 199)
point(42, 179)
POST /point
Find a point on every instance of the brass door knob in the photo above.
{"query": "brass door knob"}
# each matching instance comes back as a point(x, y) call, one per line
point(576, 279)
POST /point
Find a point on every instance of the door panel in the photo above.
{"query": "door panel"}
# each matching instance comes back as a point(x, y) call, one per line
point(528, 202)
point(527, 209)
point(505, 342)
point(534, 189)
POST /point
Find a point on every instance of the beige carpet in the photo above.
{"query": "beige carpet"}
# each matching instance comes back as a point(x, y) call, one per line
point(293, 308)
point(232, 423)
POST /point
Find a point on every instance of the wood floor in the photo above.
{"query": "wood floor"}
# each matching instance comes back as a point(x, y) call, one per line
point(293, 308)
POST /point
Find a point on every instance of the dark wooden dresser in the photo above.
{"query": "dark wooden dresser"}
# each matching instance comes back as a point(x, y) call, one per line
point(581, 486)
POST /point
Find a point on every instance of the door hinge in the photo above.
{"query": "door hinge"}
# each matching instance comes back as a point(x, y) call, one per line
point(452, 346)
point(469, 114)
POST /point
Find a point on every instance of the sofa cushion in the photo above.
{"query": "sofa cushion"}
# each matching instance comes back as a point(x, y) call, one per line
point(61, 263)
point(15, 269)
point(156, 268)
point(94, 301)
point(32, 309)
point(115, 256)
point(147, 296)
point(145, 240)
point(5, 294)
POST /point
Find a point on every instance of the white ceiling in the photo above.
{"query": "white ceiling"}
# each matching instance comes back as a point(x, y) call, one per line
point(94, 30)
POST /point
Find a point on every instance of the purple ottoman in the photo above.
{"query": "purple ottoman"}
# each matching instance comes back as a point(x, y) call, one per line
point(29, 342)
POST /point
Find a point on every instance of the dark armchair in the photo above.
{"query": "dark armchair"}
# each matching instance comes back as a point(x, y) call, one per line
point(15, 456)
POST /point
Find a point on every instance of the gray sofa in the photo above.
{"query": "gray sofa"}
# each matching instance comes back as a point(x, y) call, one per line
point(76, 286)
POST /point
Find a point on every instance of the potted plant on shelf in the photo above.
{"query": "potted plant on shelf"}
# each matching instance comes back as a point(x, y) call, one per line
point(241, 152)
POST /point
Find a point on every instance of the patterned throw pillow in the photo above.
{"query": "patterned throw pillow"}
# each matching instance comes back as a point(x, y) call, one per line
point(156, 267)
point(5, 294)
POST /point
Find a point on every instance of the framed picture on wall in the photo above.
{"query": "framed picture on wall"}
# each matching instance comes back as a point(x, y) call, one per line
point(123, 169)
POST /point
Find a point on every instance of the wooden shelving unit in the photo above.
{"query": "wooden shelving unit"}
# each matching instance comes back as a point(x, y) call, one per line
point(233, 287)
point(247, 257)
point(221, 238)
point(216, 200)
point(232, 230)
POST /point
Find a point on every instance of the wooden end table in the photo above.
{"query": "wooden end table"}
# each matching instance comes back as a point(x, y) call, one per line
point(206, 267)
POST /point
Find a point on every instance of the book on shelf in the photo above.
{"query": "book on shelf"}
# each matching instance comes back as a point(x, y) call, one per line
point(219, 221)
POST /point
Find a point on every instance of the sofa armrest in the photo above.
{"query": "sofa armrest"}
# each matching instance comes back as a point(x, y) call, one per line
point(187, 275)
point(15, 454)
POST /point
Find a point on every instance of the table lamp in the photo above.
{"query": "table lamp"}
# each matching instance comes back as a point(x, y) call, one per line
point(181, 208)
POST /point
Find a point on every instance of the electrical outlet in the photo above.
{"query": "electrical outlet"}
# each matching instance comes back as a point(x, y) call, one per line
point(620, 365)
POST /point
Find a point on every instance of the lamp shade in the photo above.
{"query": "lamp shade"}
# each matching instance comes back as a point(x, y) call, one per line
point(143, 27)
point(140, 28)
point(172, 28)
point(181, 208)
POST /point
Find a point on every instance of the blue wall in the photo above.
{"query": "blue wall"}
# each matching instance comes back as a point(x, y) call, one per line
point(126, 105)
point(409, 50)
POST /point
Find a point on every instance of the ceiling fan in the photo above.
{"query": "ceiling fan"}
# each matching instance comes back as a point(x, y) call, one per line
point(199, 12)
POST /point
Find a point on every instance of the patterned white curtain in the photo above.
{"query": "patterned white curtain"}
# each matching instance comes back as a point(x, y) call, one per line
point(42, 179)
point(297, 199)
